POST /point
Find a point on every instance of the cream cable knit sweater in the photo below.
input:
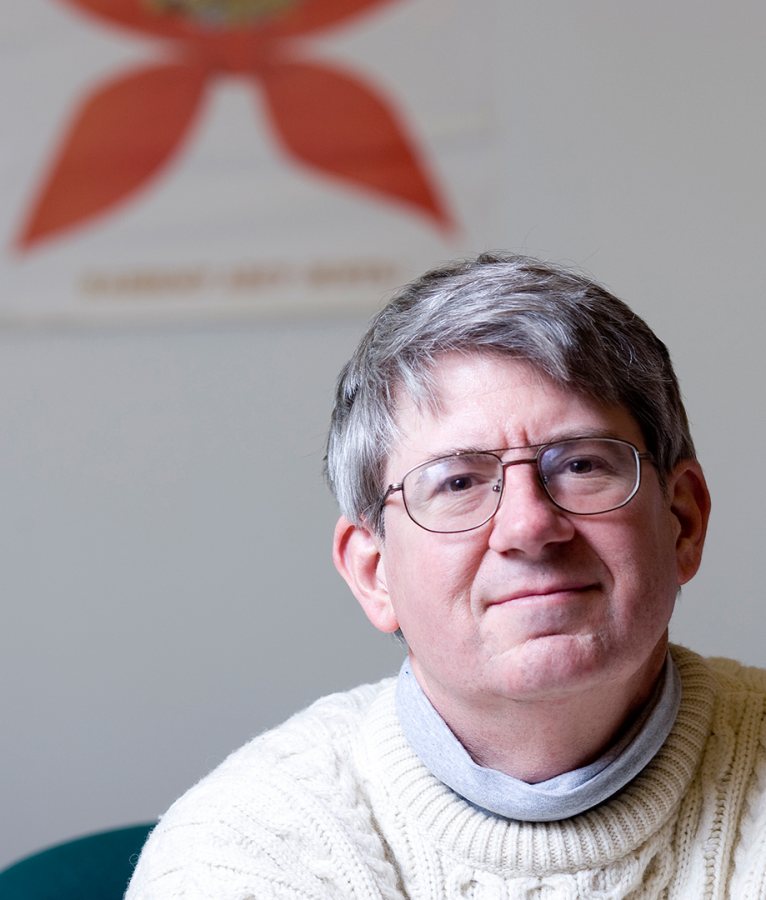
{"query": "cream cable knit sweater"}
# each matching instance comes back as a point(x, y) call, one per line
point(334, 804)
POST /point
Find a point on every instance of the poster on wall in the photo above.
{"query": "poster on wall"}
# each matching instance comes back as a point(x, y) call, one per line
point(184, 159)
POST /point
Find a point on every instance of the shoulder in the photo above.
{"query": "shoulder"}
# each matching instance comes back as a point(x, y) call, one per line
point(731, 777)
point(306, 753)
point(728, 675)
point(319, 732)
point(735, 676)
point(732, 695)
point(267, 821)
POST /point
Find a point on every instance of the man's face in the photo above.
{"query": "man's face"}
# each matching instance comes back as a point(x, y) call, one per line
point(537, 603)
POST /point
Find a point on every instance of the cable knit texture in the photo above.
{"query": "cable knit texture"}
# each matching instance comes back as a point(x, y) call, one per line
point(335, 804)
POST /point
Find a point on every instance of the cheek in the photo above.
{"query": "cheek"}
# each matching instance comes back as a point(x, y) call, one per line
point(430, 583)
point(643, 568)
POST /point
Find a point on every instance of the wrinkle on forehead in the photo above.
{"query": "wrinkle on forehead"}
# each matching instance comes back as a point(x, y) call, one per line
point(426, 394)
point(490, 401)
point(429, 395)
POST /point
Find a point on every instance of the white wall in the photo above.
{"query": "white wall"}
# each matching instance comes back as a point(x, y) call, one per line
point(166, 580)
point(166, 584)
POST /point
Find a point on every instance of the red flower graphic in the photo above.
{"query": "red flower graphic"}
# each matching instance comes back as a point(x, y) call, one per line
point(128, 128)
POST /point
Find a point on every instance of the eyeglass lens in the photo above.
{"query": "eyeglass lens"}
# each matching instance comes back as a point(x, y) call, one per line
point(461, 492)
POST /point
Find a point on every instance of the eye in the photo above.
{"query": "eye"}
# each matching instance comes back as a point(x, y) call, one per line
point(459, 483)
point(572, 463)
point(581, 466)
point(451, 477)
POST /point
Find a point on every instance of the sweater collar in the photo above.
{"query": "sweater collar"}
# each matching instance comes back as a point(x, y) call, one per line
point(403, 787)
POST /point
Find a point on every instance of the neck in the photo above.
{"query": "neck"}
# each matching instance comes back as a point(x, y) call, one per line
point(534, 740)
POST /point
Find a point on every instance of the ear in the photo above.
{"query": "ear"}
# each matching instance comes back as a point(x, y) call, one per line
point(690, 504)
point(356, 552)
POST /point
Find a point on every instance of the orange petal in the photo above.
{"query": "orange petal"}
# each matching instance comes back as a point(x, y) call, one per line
point(119, 138)
point(333, 122)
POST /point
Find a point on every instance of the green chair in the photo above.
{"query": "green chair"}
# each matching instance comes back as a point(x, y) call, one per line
point(95, 867)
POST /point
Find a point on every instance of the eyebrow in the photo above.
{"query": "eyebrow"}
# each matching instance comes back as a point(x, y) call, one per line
point(556, 437)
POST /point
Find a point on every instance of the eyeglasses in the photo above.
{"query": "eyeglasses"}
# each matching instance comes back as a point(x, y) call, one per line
point(584, 475)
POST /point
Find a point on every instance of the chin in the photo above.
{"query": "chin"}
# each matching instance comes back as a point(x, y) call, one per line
point(560, 662)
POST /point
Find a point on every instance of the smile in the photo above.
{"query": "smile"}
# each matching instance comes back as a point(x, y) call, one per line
point(549, 593)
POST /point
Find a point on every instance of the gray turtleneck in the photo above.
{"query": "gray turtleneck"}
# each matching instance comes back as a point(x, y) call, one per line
point(557, 798)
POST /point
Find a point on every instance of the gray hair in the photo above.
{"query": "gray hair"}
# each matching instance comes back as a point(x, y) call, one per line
point(561, 322)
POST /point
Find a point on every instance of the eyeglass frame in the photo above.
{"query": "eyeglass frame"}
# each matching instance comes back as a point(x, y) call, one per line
point(640, 455)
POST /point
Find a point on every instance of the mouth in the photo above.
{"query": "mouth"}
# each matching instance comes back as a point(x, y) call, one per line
point(550, 593)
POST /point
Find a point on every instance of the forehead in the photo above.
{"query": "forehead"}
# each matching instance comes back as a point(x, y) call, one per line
point(488, 401)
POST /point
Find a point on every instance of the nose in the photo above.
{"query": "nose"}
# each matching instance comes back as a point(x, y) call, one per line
point(527, 520)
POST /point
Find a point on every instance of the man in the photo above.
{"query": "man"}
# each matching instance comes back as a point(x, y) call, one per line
point(521, 501)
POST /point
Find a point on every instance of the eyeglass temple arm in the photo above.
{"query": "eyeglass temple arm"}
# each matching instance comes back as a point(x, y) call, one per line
point(377, 508)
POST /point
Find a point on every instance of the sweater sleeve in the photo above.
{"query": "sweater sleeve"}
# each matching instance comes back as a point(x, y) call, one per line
point(230, 839)
point(284, 817)
point(213, 860)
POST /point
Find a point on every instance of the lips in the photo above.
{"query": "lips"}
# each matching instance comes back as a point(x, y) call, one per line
point(543, 591)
